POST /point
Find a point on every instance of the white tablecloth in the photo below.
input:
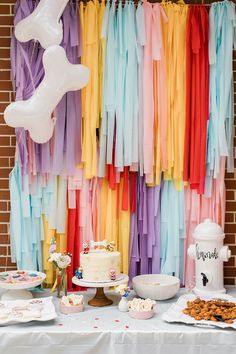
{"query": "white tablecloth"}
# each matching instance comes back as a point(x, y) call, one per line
point(107, 331)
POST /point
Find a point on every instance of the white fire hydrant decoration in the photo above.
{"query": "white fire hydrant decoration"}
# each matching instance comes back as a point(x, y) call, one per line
point(209, 254)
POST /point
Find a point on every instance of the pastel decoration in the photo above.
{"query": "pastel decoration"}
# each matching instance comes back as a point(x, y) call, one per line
point(43, 24)
point(35, 114)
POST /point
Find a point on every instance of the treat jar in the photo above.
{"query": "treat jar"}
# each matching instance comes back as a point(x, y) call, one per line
point(209, 254)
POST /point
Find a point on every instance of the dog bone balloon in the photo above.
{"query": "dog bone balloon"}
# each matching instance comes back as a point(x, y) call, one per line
point(93, 244)
point(43, 24)
point(35, 113)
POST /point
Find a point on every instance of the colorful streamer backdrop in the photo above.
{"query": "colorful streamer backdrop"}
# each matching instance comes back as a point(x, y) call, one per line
point(139, 155)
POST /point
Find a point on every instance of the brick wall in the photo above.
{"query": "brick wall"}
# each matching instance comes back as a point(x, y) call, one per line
point(7, 151)
point(7, 136)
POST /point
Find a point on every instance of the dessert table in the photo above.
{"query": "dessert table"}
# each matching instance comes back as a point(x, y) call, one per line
point(106, 331)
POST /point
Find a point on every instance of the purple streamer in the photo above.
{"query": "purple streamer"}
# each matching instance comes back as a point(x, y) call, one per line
point(145, 231)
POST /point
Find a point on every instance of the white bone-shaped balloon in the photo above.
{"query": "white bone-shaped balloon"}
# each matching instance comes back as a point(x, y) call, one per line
point(43, 24)
point(94, 244)
point(35, 113)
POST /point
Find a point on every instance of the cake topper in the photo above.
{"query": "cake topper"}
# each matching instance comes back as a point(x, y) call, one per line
point(111, 246)
point(79, 273)
point(107, 246)
point(94, 244)
point(86, 247)
point(112, 273)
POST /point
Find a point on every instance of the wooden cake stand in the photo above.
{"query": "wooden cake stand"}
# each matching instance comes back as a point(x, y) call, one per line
point(100, 299)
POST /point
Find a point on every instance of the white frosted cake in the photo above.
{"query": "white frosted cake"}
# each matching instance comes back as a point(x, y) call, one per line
point(100, 265)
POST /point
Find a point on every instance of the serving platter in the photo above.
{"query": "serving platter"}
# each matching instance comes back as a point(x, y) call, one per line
point(22, 311)
point(175, 312)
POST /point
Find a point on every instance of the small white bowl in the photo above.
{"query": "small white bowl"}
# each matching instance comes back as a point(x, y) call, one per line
point(141, 315)
point(156, 286)
point(69, 310)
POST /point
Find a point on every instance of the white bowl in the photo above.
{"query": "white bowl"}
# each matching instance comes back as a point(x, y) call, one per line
point(156, 286)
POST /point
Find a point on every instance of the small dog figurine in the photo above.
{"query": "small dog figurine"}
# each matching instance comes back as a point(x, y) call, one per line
point(79, 273)
point(111, 246)
point(86, 247)
point(112, 274)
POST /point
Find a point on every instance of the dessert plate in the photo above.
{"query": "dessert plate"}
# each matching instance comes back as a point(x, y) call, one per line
point(175, 312)
point(30, 281)
point(22, 311)
point(17, 284)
